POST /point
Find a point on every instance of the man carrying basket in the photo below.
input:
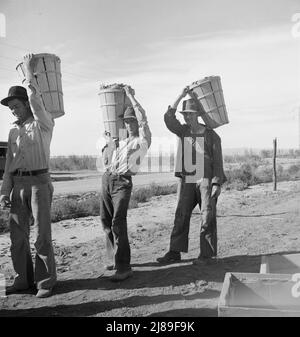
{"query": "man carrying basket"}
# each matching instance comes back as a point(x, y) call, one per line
point(122, 160)
point(203, 191)
point(27, 187)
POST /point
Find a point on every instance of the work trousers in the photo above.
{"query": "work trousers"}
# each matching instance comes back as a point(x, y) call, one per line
point(31, 201)
point(188, 196)
point(114, 202)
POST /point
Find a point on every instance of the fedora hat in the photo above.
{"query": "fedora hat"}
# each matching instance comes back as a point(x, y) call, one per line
point(189, 105)
point(129, 113)
point(15, 92)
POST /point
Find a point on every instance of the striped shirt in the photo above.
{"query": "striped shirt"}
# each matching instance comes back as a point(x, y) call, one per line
point(126, 157)
point(29, 143)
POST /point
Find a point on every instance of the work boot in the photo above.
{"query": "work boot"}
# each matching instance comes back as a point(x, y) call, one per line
point(170, 257)
point(121, 275)
point(15, 290)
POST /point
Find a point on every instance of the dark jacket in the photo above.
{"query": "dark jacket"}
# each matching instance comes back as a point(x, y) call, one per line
point(213, 161)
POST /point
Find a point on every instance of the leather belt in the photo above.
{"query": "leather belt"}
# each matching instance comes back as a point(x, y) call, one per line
point(128, 176)
point(21, 173)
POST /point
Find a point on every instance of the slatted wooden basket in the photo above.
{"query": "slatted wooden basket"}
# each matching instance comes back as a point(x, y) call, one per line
point(113, 103)
point(210, 96)
point(47, 73)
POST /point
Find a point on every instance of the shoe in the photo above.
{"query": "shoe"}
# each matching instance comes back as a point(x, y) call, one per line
point(204, 261)
point(121, 275)
point(42, 293)
point(170, 257)
point(9, 290)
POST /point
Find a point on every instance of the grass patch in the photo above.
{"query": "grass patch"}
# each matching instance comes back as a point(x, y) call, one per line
point(68, 208)
point(253, 173)
point(73, 163)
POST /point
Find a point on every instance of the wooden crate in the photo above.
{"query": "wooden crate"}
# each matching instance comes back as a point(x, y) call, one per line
point(280, 264)
point(258, 295)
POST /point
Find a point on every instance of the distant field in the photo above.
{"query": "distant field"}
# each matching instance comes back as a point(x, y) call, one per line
point(91, 181)
point(78, 174)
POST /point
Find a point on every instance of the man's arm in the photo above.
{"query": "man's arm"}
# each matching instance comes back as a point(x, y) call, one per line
point(7, 184)
point(144, 130)
point(34, 95)
point(218, 171)
point(172, 123)
point(108, 150)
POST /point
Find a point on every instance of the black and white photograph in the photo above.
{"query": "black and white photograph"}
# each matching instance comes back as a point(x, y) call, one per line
point(150, 161)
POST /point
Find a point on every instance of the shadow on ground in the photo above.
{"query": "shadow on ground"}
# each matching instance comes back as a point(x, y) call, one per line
point(178, 276)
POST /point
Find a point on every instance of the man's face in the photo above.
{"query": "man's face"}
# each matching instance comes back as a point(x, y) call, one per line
point(131, 126)
point(19, 109)
point(190, 117)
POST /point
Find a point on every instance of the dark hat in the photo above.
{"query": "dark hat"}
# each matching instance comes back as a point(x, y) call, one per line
point(15, 92)
point(129, 113)
point(190, 105)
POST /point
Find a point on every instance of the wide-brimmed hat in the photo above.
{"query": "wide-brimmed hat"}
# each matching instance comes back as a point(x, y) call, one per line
point(189, 105)
point(15, 92)
point(129, 113)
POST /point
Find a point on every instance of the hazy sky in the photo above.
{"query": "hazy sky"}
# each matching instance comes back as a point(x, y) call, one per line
point(158, 47)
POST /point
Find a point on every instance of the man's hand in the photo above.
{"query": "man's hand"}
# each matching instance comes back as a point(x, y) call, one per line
point(5, 201)
point(185, 91)
point(29, 62)
point(128, 90)
point(107, 136)
point(215, 191)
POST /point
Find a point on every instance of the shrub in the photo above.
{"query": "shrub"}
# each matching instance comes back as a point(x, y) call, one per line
point(293, 170)
point(73, 163)
point(76, 207)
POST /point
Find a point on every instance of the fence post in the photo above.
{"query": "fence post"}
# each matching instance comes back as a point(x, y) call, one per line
point(274, 164)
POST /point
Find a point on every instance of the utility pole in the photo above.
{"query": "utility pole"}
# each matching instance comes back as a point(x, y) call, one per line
point(274, 164)
point(299, 126)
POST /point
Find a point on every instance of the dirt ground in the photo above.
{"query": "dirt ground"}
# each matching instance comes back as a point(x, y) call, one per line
point(251, 223)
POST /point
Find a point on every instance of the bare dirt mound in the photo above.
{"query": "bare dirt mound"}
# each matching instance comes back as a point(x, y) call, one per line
point(250, 223)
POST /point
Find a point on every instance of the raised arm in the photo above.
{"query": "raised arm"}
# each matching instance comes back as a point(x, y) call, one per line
point(140, 113)
point(34, 95)
point(172, 123)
